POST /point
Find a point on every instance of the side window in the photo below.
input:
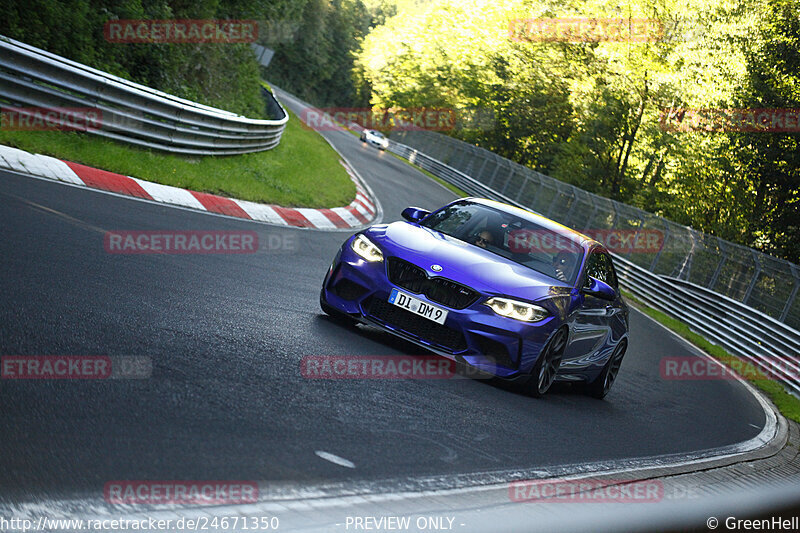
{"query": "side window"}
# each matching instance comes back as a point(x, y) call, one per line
point(452, 220)
point(594, 267)
point(611, 275)
point(599, 266)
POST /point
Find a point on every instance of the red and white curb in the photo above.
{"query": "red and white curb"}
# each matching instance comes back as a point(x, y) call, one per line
point(360, 212)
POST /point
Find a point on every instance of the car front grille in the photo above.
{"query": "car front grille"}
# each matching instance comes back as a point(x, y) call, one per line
point(450, 339)
point(437, 289)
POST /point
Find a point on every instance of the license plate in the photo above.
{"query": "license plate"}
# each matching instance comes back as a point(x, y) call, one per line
point(417, 306)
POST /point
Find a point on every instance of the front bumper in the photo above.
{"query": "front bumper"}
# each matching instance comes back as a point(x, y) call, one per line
point(379, 144)
point(474, 335)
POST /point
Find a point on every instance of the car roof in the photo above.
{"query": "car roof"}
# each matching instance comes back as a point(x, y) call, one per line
point(576, 236)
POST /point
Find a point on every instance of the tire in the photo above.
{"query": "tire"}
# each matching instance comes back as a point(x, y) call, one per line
point(544, 371)
point(335, 314)
point(602, 384)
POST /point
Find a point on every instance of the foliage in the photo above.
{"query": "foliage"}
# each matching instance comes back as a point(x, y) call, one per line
point(590, 113)
point(316, 63)
point(218, 74)
point(771, 163)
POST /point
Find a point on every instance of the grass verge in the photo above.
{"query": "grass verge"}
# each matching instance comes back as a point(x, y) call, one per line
point(302, 171)
point(786, 403)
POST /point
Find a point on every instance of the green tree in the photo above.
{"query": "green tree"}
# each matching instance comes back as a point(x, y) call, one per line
point(218, 74)
point(771, 160)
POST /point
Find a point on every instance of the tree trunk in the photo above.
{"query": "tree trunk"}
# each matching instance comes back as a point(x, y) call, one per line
point(631, 139)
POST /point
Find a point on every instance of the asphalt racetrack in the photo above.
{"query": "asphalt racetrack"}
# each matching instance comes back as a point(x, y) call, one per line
point(226, 335)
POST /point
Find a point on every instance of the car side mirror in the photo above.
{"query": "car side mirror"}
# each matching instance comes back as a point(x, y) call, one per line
point(414, 214)
point(600, 289)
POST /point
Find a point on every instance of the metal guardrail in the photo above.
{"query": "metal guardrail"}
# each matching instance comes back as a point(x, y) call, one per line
point(740, 329)
point(758, 280)
point(132, 113)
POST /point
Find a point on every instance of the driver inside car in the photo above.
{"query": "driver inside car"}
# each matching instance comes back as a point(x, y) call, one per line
point(483, 238)
point(563, 264)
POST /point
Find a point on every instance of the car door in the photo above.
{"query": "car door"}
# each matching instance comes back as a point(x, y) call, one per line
point(618, 311)
point(592, 323)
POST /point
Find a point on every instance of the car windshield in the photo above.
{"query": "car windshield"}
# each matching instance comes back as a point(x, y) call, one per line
point(548, 252)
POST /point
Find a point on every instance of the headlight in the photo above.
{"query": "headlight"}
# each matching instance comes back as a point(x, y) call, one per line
point(517, 310)
point(366, 249)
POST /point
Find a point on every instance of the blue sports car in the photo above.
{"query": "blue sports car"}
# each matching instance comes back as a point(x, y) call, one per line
point(491, 286)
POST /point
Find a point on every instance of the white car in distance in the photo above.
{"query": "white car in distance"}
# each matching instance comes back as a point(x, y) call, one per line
point(375, 138)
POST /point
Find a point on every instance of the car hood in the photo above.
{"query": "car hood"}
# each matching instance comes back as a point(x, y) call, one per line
point(462, 262)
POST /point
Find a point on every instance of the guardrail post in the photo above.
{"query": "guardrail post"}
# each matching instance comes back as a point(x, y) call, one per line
point(686, 266)
point(508, 180)
point(445, 152)
point(755, 277)
point(494, 173)
point(478, 174)
point(519, 191)
point(459, 157)
point(568, 217)
point(635, 235)
point(553, 203)
point(724, 254)
point(594, 211)
point(616, 214)
point(431, 145)
point(663, 245)
point(444, 147)
point(790, 301)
